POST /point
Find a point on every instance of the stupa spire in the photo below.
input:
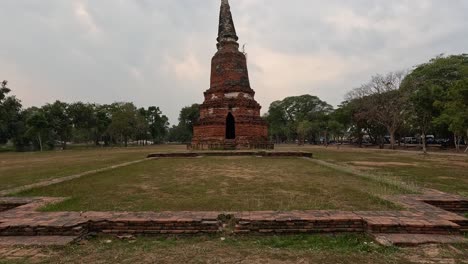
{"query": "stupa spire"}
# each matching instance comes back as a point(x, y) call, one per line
point(227, 30)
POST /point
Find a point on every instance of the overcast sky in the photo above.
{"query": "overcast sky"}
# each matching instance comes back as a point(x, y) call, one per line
point(158, 52)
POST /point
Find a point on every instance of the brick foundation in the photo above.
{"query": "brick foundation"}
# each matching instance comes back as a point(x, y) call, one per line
point(420, 218)
point(233, 153)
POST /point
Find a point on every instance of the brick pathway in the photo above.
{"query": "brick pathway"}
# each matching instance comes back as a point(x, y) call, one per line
point(420, 218)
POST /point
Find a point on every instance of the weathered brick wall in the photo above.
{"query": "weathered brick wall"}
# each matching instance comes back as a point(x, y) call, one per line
point(229, 92)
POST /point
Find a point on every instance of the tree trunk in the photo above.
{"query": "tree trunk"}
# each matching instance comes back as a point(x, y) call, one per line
point(466, 141)
point(457, 142)
point(326, 138)
point(424, 146)
point(392, 139)
point(64, 145)
point(39, 139)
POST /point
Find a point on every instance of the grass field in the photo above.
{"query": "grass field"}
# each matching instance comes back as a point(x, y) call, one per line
point(242, 183)
point(448, 173)
point(17, 169)
point(336, 249)
point(219, 183)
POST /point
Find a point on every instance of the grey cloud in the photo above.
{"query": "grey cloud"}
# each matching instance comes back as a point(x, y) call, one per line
point(158, 52)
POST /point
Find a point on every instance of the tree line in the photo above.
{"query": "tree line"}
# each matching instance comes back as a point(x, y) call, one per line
point(431, 99)
point(56, 124)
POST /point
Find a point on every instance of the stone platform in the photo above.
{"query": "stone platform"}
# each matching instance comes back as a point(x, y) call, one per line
point(422, 222)
point(194, 154)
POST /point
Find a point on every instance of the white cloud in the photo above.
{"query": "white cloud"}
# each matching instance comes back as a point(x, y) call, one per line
point(84, 17)
point(187, 68)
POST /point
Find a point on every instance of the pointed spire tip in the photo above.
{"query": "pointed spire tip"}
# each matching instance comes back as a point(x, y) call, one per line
point(227, 30)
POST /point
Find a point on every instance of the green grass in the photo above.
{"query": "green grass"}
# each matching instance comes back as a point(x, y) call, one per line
point(219, 183)
point(18, 169)
point(212, 249)
point(446, 173)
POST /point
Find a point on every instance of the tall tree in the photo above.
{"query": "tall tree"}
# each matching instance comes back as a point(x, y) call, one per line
point(38, 127)
point(158, 124)
point(188, 117)
point(10, 109)
point(59, 121)
point(84, 121)
point(455, 112)
point(436, 90)
point(383, 101)
point(125, 120)
point(287, 117)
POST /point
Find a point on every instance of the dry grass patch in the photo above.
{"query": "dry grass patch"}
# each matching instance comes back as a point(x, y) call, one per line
point(443, 172)
point(286, 249)
point(221, 184)
point(18, 169)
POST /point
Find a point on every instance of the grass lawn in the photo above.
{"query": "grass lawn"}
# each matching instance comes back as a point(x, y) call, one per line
point(337, 249)
point(287, 249)
point(17, 169)
point(448, 173)
point(219, 183)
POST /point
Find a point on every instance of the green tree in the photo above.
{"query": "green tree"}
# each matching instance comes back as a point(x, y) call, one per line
point(303, 130)
point(382, 102)
point(59, 122)
point(103, 115)
point(125, 122)
point(455, 111)
point(436, 91)
point(287, 118)
point(84, 121)
point(158, 124)
point(10, 109)
point(188, 117)
point(38, 127)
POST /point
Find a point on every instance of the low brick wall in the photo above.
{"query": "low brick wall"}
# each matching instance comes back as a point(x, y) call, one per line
point(298, 226)
point(455, 206)
point(231, 153)
point(414, 229)
point(155, 227)
point(43, 230)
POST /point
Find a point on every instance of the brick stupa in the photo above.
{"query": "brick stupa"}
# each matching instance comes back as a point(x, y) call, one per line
point(229, 116)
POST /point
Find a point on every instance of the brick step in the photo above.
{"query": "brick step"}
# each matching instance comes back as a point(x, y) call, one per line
point(42, 231)
point(37, 240)
point(148, 227)
point(156, 232)
point(455, 206)
point(463, 225)
point(414, 228)
point(410, 225)
point(417, 239)
point(300, 226)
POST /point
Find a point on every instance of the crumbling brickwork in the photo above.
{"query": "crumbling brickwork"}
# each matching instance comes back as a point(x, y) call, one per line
point(229, 94)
